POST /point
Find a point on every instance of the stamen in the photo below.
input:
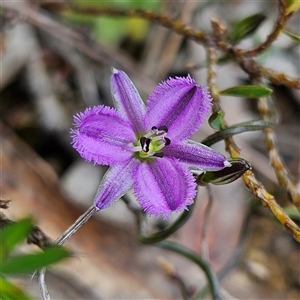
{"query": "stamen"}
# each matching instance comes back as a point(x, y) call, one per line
point(159, 154)
point(136, 148)
point(167, 141)
point(158, 138)
point(163, 128)
point(157, 148)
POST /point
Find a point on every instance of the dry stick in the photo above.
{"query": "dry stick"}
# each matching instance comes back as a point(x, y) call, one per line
point(161, 19)
point(249, 179)
point(279, 78)
point(264, 109)
point(198, 36)
point(276, 162)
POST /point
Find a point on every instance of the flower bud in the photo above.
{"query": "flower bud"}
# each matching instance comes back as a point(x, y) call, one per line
point(227, 175)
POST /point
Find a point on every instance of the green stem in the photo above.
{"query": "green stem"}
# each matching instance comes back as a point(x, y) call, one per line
point(236, 129)
point(161, 235)
point(235, 258)
point(192, 256)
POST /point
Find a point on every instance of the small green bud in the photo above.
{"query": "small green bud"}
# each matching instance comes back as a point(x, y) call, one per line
point(216, 120)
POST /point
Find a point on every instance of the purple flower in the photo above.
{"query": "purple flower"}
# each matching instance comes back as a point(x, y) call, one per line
point(147, 147)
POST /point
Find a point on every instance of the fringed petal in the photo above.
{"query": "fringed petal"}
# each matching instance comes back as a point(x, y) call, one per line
point(127, 100)
point(117, 181)
point(180, 105)
point(196, 156)
point(163, 186)
point(102, 135)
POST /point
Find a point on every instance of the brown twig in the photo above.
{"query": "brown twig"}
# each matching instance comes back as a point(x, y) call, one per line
point(239, 55)
point(280, 78)
point(249, 179)
point(39, 238)
point(211, 82)
point(282, 19)
point(36, 236)
point(4, 204)
point(268, 200)
point(163, 20)
point(276, 162)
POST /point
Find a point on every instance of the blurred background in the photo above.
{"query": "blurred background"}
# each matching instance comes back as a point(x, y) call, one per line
point(55, 63)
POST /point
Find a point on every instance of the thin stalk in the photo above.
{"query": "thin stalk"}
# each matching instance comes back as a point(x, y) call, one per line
point(76, 225)
point(209, 205)
point(192, 256)
point(238, 251)
point(60, 241)
point(161, 235)
point(42, 284)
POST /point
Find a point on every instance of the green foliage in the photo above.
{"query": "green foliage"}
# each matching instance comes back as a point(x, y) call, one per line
point(246, 26)
point(27, 263)
point(11, 292)
point(249, 91)
point(10, 236)
point(236, 129)
point(216, 120)
point(293, 212)
point(13, 234)
point(110, 30)
point(292, 35)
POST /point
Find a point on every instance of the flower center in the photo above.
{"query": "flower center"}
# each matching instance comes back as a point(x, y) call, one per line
point(152, 143)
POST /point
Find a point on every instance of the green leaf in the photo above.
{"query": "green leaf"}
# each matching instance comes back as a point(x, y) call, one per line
point(28, 263)
point(247, 26)
point(235, 129)
point(216, 120)
point(249, 91)
point(223, 59)
point(293, 212)
point(11, 292)
point(292, 35)
point(13, 234)
point(227, 175)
